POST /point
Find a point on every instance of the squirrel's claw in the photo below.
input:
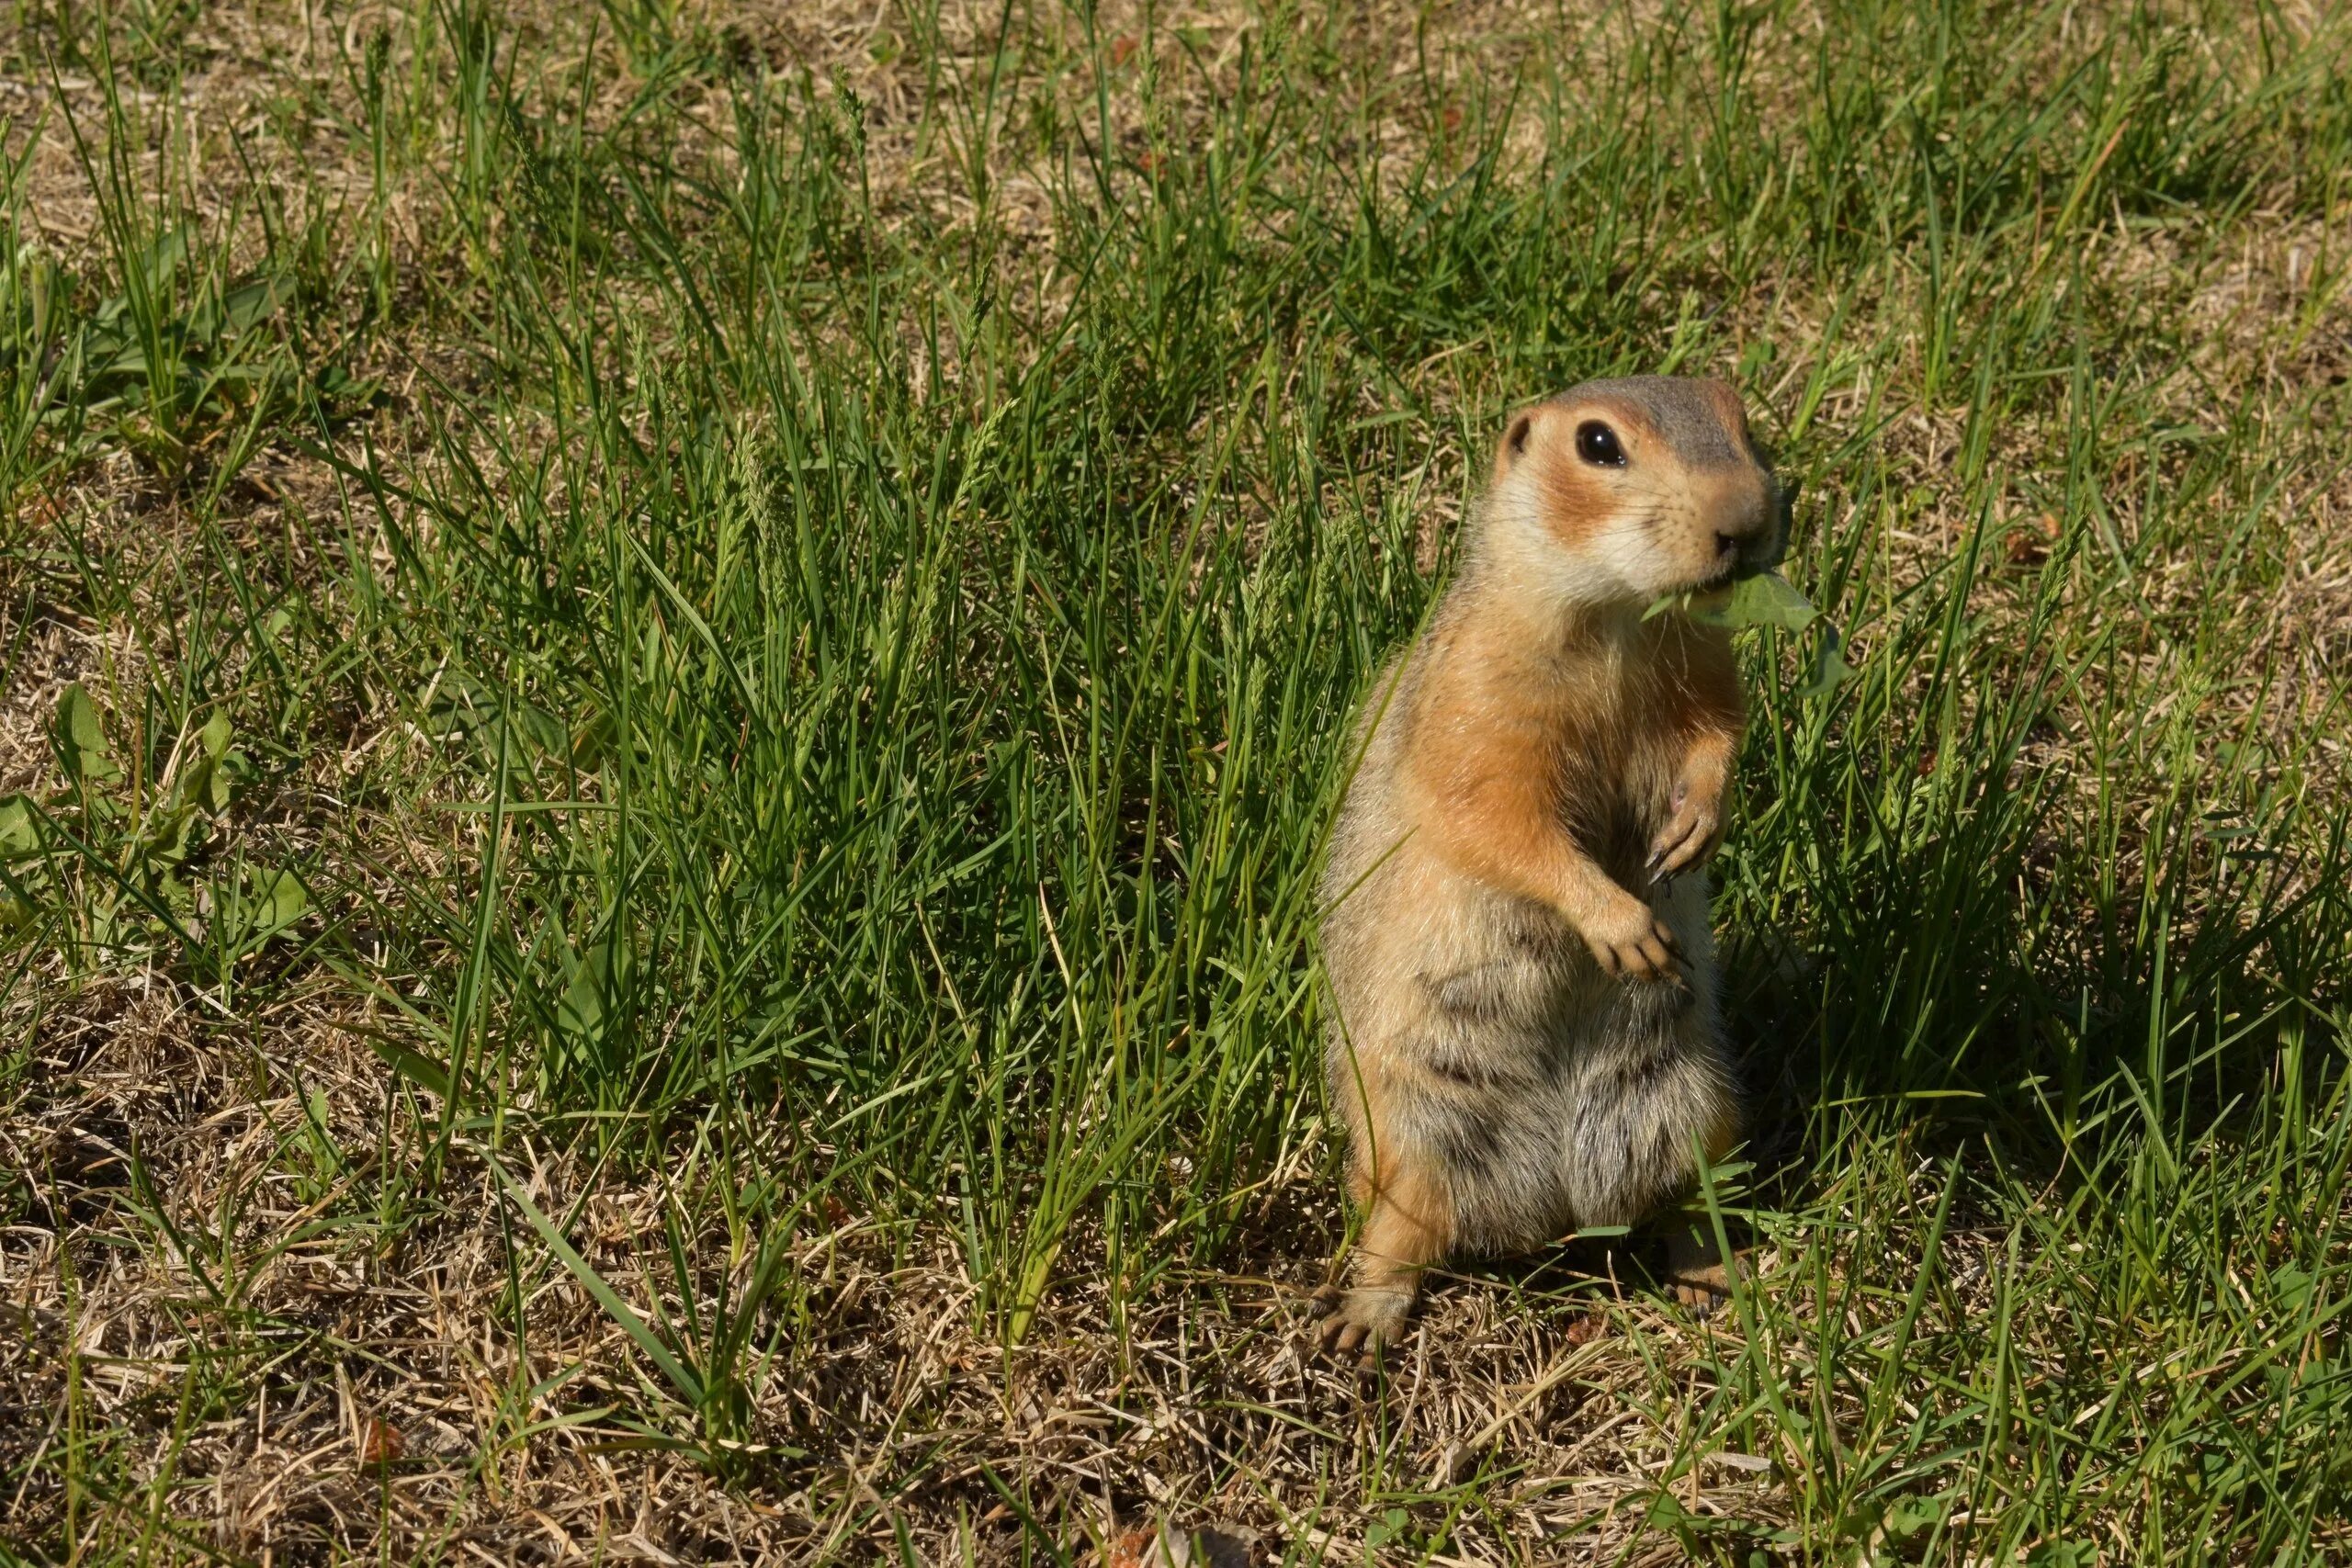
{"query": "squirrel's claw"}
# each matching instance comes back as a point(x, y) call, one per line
point(1688, 837)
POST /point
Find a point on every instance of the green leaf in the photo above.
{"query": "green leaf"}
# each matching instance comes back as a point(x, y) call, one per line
point(45, 286)
point(1389, 1527)
point(347, 392)
point(172, 833)
point(261, 907)
point(411, 1063)
point(231, 313)
point(1831, 670)
point(455, 704)
point(2293, 1288)
point(2061, 1554)
point(162, 260)
point(591, 740)
point(681, 1376)
point(200, 782)
point(244, 309)
point(192, 782)
point(1767, 599)
point(1907, 1518)
point(81, 740)
point(278, 900)
point(580, 1014)
point(19, 828)
point(549, 735)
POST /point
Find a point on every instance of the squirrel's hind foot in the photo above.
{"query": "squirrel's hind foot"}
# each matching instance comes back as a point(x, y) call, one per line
point(1361, 1322)
point(1697, 1273)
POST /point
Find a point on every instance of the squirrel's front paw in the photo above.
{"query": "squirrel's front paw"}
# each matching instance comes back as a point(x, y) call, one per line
point(1690, 832)
point(1628, 940)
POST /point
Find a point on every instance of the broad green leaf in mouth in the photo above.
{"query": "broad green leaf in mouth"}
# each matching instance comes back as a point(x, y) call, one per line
point(1765, 599)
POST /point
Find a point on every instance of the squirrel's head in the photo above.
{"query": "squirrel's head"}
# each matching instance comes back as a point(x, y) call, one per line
point(1626, 490)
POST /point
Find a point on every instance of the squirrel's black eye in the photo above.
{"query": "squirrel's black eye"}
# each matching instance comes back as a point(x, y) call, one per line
point(1596, 443)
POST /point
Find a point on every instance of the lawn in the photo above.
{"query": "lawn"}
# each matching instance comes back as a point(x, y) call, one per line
point(671, 675)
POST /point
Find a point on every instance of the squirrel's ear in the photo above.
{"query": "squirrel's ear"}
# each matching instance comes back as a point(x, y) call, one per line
point(1513, 446)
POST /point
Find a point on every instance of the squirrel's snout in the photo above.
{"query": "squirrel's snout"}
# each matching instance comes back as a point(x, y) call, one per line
point(1746, 523)
point(1750, 513)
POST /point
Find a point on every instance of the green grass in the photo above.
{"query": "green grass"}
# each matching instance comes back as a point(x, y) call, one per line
point(674, 686)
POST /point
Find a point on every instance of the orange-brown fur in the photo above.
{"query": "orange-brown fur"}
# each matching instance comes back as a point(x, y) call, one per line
point(1524, 1035)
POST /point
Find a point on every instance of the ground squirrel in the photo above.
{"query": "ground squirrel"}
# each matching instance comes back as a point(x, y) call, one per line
point(1524, 1036)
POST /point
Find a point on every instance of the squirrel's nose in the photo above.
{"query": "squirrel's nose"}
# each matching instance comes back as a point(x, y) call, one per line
point(1748, 515)
point(1743, 516)
point(1750, 523)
